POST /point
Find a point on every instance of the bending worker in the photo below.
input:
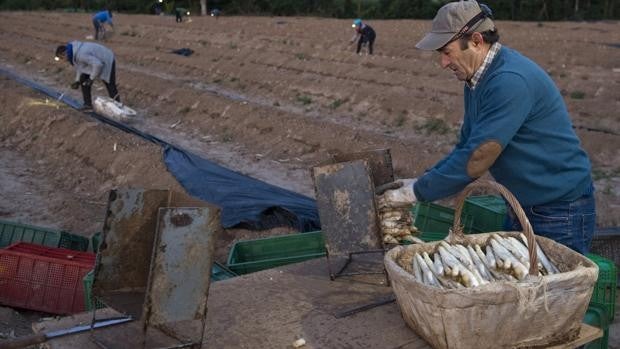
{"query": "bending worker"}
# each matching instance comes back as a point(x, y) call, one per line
point(516, 125)
point(364, 35)
point(99, 21)
point(92, 61)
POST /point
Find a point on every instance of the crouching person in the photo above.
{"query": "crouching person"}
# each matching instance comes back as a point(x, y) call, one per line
point(92, 61)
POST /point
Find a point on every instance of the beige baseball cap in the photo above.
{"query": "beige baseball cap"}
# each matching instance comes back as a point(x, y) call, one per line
point(451, 19)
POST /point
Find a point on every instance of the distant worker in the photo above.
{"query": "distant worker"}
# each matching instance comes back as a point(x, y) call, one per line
point(179, 12)
point(99, 21)
point(364, 34)
point(215, 13)
point(158, 7)
point(92, 61)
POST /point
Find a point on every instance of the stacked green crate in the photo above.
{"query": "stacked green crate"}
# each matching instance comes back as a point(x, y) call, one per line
point(87, 281)
point(95, 240)
point(11, 232)
point(487, 213)
point(596, 316)
point(259, 254)
point(73, 242)
point(221, 272)
point(434, 221)
point(605, 289)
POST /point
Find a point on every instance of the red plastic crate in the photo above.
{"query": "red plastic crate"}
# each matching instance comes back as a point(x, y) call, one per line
point(43, 278)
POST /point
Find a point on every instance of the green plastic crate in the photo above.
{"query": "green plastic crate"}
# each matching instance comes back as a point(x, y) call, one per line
point(95, 239)
point(253, 255)
point(11, 232)
point(596, 316)
point(435, 220)
point(73, 242)
point(487, 213)
point(605, 289)
point(87, 281)
point(221, 272)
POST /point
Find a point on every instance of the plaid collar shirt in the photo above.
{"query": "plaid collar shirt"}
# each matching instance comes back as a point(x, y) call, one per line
point(485, 64)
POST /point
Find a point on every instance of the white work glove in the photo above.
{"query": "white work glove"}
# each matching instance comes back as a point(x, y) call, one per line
point(399, 197)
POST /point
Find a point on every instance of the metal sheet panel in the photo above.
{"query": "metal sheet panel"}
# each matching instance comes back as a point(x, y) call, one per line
point(346, 203)
point(379, 161)
point(182, 260)
point(124, 257)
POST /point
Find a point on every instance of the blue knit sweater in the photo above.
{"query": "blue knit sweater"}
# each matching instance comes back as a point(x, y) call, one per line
point(517, 105)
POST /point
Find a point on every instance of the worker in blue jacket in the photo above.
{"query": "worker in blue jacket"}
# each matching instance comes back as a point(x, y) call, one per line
point(99, 21)
point(516, 126)
point(364, 34)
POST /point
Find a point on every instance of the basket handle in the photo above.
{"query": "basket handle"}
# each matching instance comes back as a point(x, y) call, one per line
point(457, 228)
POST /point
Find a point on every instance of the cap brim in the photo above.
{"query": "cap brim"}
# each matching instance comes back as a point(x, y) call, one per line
point(434, 41)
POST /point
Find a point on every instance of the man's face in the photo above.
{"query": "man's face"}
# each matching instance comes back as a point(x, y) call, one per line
point(463, 63)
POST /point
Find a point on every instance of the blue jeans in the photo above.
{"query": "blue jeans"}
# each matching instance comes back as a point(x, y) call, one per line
point(570, 223)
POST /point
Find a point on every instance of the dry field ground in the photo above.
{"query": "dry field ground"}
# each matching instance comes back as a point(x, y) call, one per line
point(269, 97)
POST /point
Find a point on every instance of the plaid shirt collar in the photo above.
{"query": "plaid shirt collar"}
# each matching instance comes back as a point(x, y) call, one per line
point(485, 64)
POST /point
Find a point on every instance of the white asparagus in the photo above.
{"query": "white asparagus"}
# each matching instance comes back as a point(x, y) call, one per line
point(389, 239)
point(468, 277)
point(427, 274)
point(519, 269)
point(549, 267)
point(453, 250)
point(491, 258)
point(501, 253)
point(525, 252)
point(513, 250)
point(391, 215)
point(492, 271)
point(412, 239)
point(442, 280)
point(482, 269)
point(417, 272)
point(438, 264)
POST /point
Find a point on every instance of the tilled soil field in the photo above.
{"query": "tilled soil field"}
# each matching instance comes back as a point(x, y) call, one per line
point(269, 97)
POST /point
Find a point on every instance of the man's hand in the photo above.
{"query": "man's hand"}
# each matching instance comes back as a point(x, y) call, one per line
point(87, 82)
point(75, 85)
point(398, 197)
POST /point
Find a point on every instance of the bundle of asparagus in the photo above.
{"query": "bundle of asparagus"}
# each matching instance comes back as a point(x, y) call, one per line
point(396, 225)
point(458, 266)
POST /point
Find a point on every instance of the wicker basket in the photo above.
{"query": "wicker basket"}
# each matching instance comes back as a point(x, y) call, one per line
point(536, 312)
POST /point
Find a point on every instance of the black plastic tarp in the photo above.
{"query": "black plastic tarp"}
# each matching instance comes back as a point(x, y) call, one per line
point(245, 201)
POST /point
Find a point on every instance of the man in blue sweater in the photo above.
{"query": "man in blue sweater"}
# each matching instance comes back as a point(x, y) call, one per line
point(516, 126)
point(99, 21)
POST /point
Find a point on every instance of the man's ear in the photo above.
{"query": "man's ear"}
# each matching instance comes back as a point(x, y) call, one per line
point(477, 39)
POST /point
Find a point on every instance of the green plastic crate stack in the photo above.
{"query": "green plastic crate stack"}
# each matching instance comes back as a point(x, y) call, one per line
point(253, 255)
point(606, 285)
point(434, 221)
point(87, 281)
point(486, 212)
point(221, 272)
point(95, 239)
point(11, 232)
point(596, 316)
point(73, 242)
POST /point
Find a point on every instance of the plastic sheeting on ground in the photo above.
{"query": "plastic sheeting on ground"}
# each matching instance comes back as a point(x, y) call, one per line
point(245, 201)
